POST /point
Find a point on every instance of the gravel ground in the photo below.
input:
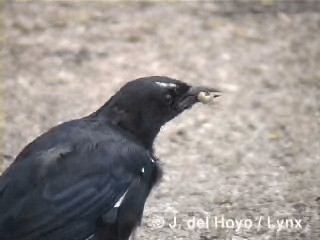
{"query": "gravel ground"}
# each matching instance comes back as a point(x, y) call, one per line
point(253, 157)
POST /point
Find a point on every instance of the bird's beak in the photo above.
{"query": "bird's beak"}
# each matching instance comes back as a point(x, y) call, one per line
point(198, 94)
point(204, 94)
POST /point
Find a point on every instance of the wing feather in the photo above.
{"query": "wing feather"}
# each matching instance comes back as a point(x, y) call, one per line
point(56, 193)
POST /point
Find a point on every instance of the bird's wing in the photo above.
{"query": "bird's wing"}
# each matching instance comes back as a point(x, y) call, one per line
point(63, 186)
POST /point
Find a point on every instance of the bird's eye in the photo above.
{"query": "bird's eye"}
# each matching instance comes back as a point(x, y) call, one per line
point(168, 98)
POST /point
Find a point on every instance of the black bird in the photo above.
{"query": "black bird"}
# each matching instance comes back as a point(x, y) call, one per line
point(89, 178)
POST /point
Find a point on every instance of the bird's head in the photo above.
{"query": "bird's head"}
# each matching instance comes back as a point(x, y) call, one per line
point(142, 106)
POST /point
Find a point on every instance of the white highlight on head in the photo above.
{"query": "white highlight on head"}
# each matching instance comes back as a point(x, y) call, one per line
point(119, 202)
point(142, 170)
point(166, 85)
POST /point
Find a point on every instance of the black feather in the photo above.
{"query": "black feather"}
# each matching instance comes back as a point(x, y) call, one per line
point(67, 182)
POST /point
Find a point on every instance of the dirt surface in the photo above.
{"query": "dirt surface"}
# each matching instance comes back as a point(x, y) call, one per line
point(253, 157)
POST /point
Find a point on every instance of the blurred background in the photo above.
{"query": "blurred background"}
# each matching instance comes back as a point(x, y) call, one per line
point(254, 154)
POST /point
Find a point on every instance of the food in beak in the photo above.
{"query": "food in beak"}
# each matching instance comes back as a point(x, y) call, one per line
point(207, 97)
